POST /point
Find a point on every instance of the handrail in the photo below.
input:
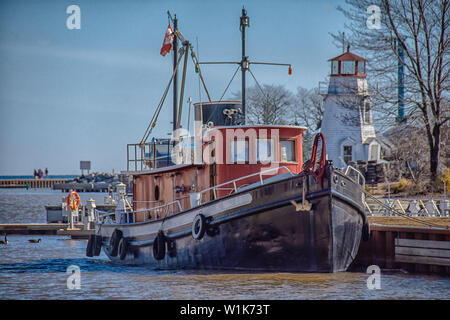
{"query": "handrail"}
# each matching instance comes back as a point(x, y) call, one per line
point(217, 187)
point(159, 207)
point(360, 175)
point(104, 214)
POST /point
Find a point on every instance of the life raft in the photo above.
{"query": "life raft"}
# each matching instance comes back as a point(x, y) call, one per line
point(73, 201)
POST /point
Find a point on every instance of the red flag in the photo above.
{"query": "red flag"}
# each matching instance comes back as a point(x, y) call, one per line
point(168, 40)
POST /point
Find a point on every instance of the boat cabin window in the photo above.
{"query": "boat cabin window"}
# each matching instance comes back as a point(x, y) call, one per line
point(264, 150)
point(240, 151)
point(347, 154)
point(287, 150)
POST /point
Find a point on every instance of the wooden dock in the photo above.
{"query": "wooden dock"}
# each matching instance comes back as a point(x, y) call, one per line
point(45, 229)
point(31, 183)
point(413, 248)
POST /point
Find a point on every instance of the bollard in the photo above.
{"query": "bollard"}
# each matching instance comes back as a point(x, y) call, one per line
point(91, 213)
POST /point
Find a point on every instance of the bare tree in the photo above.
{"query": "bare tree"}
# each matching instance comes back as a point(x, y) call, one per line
point(420, 28)
point(307, 111)
point(267, 105)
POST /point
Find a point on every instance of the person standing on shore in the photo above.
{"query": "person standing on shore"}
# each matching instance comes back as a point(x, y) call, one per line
point(46, 173)
point(35, 174)
point(40, 173)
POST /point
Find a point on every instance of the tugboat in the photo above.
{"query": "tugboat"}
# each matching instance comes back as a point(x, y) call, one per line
point(234, 196)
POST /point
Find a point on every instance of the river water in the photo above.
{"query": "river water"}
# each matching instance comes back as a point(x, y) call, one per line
point(44, 270)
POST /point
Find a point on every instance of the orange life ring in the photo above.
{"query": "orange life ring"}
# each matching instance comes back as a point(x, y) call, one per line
point(73, 200)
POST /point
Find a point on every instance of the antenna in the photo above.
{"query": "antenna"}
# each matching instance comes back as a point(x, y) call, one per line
point(245, 63)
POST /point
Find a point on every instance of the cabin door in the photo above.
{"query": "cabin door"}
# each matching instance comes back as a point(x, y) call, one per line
point(212, 178)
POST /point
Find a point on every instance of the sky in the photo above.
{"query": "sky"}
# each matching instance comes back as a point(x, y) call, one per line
point(68, 95)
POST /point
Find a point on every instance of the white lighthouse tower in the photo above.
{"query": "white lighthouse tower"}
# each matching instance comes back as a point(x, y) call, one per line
point(347, 119)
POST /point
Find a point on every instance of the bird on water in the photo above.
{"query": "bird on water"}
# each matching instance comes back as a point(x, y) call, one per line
point(34, 240)
point(4, 241)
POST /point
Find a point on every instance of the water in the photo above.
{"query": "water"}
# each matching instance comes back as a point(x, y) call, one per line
point(38, 271)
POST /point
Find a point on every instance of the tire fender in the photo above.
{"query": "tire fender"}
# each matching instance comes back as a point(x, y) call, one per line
point(159, 246)
point(122, 248)
point(199, 226)
point(114, 242)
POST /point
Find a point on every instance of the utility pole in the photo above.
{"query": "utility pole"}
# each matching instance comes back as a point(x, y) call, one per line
point(400, 83)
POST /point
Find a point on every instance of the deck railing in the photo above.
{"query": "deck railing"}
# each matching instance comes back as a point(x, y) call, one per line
point(356, 176)
point(145, 156)
point(233, 182)
point(130, 217)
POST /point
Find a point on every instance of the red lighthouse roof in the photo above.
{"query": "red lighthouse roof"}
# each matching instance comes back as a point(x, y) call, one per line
point(348, 56)
point(348, 64)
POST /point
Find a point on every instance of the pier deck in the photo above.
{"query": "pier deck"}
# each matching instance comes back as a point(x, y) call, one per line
point(32, 183)
point(45, 229)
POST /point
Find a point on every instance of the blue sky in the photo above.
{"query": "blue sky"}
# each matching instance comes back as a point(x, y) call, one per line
point(71, 95)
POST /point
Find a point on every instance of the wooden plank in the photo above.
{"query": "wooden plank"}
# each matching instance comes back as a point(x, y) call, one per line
point(424, 252)
point(422, 243)
point(428, 230)
point(422, 260)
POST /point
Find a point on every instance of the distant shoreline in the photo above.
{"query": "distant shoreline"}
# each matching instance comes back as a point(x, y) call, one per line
point(32, 177)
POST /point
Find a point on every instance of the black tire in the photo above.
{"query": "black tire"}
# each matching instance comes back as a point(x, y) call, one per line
point(159, 246)
point(98, 241)
point(198, 226)
point(366, 231)
point(171, 248)
point(90, 246)
point(114, 242)
point(122, 248)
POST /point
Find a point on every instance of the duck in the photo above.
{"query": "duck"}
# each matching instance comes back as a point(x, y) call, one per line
point(34, 240)
point(4, 241)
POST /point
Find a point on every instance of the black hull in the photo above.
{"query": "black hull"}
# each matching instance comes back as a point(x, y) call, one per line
point(264, 234)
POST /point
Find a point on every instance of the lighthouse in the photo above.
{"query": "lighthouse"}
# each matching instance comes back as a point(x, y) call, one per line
point(347, 119)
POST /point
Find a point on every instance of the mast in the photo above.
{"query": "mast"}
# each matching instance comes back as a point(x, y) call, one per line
point(244, 22)
point(175, 80)
point(244, 64)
